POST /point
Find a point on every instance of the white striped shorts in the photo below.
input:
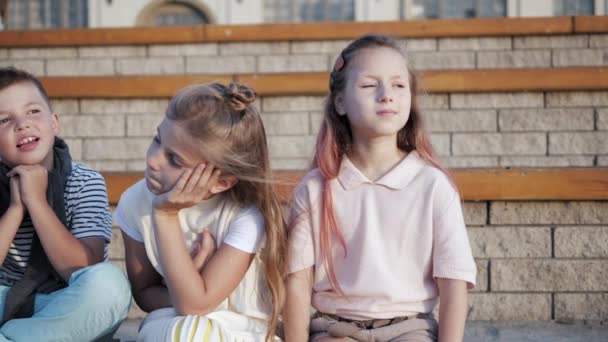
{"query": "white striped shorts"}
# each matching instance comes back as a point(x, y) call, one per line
point(164, 325)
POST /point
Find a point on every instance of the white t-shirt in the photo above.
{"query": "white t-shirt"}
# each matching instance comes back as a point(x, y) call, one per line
point(241, 228)
point(246, 232)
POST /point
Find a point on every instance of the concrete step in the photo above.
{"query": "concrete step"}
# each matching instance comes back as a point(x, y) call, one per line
point(485, 331)
point(535, 331)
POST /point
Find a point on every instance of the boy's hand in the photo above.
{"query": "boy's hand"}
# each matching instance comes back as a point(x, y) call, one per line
point(16, 201)
point(15, 192)
point(191, 188)
point(33, 181)
point(203, 251)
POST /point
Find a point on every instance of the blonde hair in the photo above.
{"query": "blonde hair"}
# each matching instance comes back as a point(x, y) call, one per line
point(233, 139)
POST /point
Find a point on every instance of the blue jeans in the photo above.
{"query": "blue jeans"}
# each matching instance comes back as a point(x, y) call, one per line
point(93, 305)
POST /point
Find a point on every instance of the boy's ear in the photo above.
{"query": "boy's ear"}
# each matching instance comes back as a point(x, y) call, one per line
point(223, 183)
point(339, 104)
point(55, 122)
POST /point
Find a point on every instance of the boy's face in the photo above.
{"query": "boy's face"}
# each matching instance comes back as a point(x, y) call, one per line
point(27, 126)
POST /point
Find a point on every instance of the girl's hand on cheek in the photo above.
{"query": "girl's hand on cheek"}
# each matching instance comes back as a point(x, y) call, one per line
point(33, 181)
point(190, 189)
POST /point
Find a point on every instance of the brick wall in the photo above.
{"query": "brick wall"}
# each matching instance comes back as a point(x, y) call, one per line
point(524, 129)
point(268, 57)
point(536, 260)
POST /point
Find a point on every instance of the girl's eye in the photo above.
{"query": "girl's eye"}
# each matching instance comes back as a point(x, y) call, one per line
point(156, 140)
point(33, 111)
point(173, 161)
point(399, 85)
point(4, 120)
point(368, 85)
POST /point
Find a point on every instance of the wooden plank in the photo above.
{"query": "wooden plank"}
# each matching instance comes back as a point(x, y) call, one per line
point(123, 87)
point(591, 24)
point(412, 28)
point(584, 78)
point(118, 182)
point(285, 32)
point(533, 184)
point(506, 80)
point(546, 184)
point(287, 84)
point(102, 36)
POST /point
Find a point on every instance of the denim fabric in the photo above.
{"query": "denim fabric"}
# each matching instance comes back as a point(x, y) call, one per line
point(93, 305)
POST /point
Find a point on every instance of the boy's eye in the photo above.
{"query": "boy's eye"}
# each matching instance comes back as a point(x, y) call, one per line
point(33, 111)
point(156, 140)
point(368, 85)
point(399, 85)
point(4, 120)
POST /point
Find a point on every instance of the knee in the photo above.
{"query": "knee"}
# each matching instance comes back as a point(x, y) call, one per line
point(107, 286)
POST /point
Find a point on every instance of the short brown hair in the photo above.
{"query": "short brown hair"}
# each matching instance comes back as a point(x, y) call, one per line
point(12, 75)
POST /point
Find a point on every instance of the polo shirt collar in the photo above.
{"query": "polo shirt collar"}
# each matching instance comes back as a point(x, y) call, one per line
point(396, 178)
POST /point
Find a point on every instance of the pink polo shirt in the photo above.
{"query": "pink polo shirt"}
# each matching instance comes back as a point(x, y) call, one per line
point(402, 231)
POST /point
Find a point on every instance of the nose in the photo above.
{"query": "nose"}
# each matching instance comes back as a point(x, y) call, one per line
point(385, 94)
point(21, 123)
point(153, 158)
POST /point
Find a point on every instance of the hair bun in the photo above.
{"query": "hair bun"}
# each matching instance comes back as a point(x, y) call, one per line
point(239, 96)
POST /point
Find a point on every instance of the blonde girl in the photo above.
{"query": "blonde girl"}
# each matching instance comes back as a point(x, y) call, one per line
point(206, 185)
point(376, 228)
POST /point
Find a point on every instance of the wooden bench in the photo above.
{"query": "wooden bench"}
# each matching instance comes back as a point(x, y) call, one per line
point(529, 184)
point(315, 83)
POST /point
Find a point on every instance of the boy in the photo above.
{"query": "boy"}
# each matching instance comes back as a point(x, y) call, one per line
point(54, 228)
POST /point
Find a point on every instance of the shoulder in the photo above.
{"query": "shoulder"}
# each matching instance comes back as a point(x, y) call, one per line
point(443, 193)
point(84, 181)
point(311, 185)
point(247, 231)
point(132, 206)
point(250, 214)
point(137, 191)
point(436, 178)
point(81, 174)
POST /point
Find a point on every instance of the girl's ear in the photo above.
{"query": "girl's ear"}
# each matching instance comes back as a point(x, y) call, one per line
point(223, 183)
point(339, 104)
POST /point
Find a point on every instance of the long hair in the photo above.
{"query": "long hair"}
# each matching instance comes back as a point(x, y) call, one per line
point(335, 140)
point(233, 138)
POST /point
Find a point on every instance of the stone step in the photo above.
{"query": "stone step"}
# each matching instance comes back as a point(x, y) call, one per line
point(485, 331)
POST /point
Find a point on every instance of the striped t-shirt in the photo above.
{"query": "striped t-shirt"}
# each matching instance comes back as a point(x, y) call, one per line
point(87, 215)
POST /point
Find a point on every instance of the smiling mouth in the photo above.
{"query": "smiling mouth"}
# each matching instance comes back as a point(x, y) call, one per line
point(27, 140)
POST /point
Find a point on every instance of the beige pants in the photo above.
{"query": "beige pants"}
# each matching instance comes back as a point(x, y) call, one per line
point(422, 328)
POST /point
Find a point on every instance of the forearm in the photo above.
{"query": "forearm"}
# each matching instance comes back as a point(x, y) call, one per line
point(184, 282)
point(296, 315)
point(153, 298)
point(63, 250)
point(452, 309)
point(9, 224)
